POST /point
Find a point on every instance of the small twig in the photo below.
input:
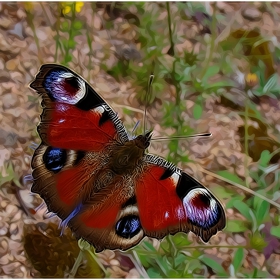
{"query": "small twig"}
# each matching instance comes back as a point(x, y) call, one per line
point(171, 50)
point(240, 187)
point(76, 265)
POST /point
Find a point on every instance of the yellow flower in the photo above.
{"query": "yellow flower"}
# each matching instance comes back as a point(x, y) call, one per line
point(67, 7)
point(28, 6)
point(66, 10)
point(251, 79)
point(79, 6)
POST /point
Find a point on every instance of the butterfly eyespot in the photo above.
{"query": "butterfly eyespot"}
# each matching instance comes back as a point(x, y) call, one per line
point(65, 87)
point(54, 159)
point(201, 209)
point(128, 226)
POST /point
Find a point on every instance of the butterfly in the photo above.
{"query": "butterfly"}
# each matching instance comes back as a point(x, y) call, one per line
point(100, 181)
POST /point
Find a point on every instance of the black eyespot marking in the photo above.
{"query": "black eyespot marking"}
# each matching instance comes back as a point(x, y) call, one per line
point(185, 184)
point(128, 226)
point(104, 118)
point(90, 100)
point(73, 82)
point(131, 201)
point(167, 173)
point(80, 156)
point(54, 159)
point(203, 201)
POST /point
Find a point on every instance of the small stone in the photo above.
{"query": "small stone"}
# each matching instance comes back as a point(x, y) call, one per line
point(3, 229)
point(18, 31)
point(13, 229)
point(4, 76)
point(11, 209)
point(11, 64)
point(5, 22)
point(252, 14)
point(9, 101)
point(239, 239)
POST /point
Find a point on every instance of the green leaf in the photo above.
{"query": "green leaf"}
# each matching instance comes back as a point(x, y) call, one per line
point(68, 58)
point(153, 273)
point(271, 83)
point(222, 192)
point(179, 259)
point(262, 212)
point(238, 259)
point(11, 175)
point(220, 84)
point(233, 199)
point(275, 231)
point(231, 177)
point(214, 265)
point(236, 226)
point(265, 158)
point(243, 208)
point(197, 111)
point(211, 71)
point(257, 201)
point(181, 239)
point(149, 246)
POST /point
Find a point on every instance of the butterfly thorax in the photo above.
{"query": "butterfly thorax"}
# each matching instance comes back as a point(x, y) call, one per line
point(128, 155)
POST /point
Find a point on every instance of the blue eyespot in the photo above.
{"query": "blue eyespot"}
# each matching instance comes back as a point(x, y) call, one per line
point(54, 159)
point(128, 226)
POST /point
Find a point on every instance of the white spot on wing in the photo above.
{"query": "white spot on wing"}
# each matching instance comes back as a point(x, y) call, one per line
point(175, 177)
point(166, 215)
point(99, 110)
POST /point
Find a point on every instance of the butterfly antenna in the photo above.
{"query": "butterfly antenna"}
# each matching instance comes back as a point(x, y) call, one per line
point(149, 89)
point(208, 134)
point(135, 126)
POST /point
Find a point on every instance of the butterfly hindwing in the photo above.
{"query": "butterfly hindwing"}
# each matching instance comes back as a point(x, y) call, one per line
point(109, 219)
point(176, 201)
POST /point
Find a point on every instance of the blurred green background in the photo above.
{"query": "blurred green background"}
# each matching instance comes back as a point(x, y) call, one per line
point(216, 68)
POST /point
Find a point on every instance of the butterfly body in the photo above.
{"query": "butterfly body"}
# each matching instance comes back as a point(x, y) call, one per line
point(100, 181)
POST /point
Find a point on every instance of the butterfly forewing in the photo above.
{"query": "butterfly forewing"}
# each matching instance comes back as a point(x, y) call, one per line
point(78, 130)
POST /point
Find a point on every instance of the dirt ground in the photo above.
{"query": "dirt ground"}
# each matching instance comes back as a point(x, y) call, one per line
point(24, 225)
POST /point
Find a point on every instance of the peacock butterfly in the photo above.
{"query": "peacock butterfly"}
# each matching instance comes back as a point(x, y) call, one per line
point(100, 181)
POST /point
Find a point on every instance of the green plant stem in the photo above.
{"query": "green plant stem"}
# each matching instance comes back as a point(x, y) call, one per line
point(57, 43)
point(93, 255)
point(45, 13)
point(215, 246)
point(70, 31)
point(30, 22)
point(171, 50)
point(246, 170)
point(212, 42)
point(76, 265)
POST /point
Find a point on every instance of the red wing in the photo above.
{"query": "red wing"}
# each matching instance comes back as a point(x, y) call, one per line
point(109, 218)
point(64, 178)
point(74, 116)
point(170, 200)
